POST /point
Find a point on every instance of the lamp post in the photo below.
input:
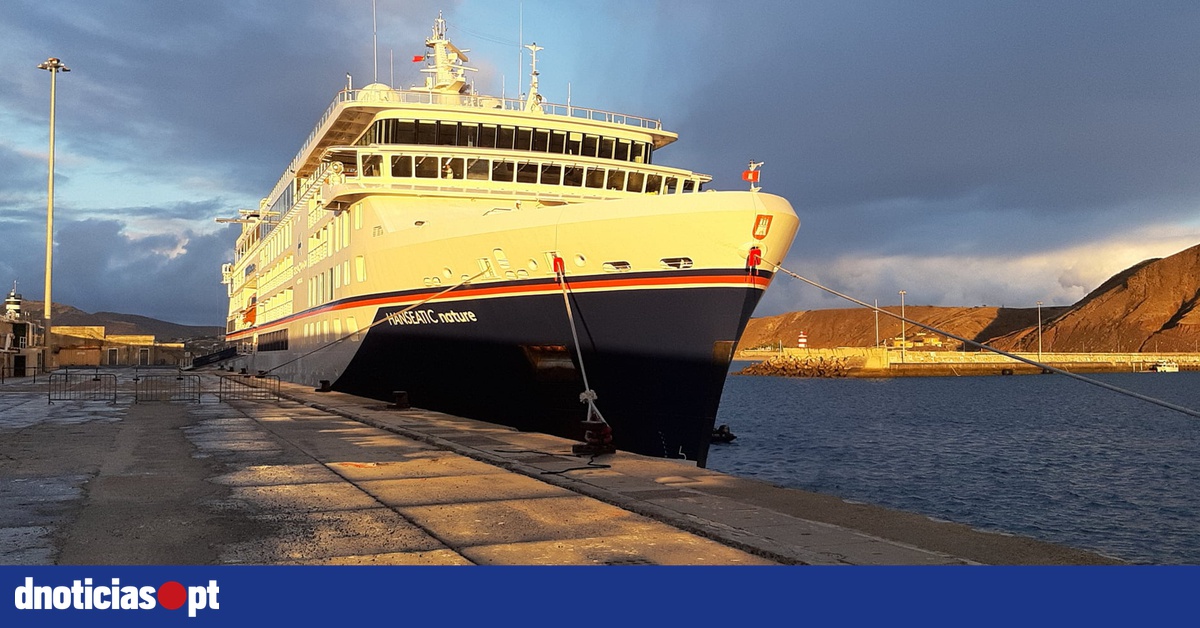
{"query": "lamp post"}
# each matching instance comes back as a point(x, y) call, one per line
point(54, 66)
point(903, 327)
point(1039, 304)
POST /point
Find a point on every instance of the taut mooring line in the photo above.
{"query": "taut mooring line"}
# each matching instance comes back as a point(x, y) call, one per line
point(1087, 380)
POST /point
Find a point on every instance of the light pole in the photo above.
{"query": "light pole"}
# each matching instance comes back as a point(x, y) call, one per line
point(876, 323)
point(1039, 304)
point(903, 327)
point(54, 66)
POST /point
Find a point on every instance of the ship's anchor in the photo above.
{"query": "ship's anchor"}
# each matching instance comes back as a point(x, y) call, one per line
point(597, 433)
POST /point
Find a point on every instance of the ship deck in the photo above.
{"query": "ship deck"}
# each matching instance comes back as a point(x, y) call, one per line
point(329, 478)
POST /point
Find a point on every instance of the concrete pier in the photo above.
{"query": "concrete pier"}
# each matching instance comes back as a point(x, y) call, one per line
point(327, 478)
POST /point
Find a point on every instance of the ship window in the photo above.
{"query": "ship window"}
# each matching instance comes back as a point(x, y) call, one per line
point(551, 174)
point(616, 267)
point(590, 144)
point(689, 185)
point(622, 150)
point(679, 263)
point(485, 267)
point(634, 182)
point(653, 183)
point(501, 258)
point(427, 167)
point(558, 142)
point(672, 185)
point(595, 177)
point(541, 140)
point(357, 215)
point(371, 165)
point(606, 148)
point(574, 143)
point(487, 136)
point(468, 134)
point(639, 153)
point(478, 169)
point(427, 133)
point(527, 173)
point(406, 132)
point(573, 176)
point(448, 133)
point(504, 137)
point(524, 138)
point(616, 179)
point(402, 166)
point(502, 171)
point(453, 168)
point(360, 268)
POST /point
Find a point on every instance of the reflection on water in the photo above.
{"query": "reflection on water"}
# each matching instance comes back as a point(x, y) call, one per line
point(1044, 456)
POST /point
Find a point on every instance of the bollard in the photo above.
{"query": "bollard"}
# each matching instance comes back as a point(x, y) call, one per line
point(401, 400)
point(324, 386)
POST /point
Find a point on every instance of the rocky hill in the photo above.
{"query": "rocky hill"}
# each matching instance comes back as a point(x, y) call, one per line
point(1148, 307)
point(121, 324)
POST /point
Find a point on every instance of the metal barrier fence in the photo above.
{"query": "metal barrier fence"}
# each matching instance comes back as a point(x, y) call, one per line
point(166, 388)
point(248, 388)
point(68, 386)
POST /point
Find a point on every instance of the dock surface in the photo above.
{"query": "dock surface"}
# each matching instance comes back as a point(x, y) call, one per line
point(329, 478)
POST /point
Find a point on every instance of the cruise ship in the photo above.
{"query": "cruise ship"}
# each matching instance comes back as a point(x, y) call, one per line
point(510, 260)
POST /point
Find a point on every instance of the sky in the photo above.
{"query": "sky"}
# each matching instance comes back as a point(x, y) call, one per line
point(967, 152)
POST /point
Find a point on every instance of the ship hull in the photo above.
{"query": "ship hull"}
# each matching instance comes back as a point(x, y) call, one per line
point(655, 355)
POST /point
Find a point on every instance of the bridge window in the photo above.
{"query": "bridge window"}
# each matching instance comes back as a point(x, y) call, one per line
point(606, 148)
point(653, 183)
point(527, 173)
point(622, 150)
point(453, 168)
point(478, 169)
point(372, 165)
point(558, 142)
point(616, 179)
point(502, 171)
point(427, 168)
point(524, 138)
point(402, 166)
point(448, 133)
point(591, 144)
point(505, 136)
point(595, 177)
point(487, 136)
point(468, 134)
point(551, 174)
point(541, 140)
point(573, 176)
point(672, 185)
point(575, 143)
point(634, 182)
point(426, 132)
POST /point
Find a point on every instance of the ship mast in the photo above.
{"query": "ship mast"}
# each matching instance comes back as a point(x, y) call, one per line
point(448, 74)
point(534, 101)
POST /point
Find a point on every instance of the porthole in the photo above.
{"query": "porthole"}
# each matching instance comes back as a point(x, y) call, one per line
point(580, 260)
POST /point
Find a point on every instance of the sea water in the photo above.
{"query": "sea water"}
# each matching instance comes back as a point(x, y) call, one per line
point(1043, 456)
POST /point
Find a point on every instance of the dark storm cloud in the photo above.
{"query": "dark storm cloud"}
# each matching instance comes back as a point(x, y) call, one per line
point(894, 120)
point(238, 83)
point(97, 263)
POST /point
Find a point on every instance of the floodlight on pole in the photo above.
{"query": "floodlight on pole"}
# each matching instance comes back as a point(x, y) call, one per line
point(54, 66)
point(903, 327)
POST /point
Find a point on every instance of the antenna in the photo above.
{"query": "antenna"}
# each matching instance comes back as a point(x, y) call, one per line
point(534, 102)
point(374, 43)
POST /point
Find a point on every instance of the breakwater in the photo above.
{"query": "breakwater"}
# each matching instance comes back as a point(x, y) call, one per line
point(873, 362)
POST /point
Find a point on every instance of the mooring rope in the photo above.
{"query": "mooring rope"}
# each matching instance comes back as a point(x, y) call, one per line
point(588, 395)
point(1087, 380)
point(382, 320)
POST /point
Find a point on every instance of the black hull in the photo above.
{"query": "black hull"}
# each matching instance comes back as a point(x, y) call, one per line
point(656, 357)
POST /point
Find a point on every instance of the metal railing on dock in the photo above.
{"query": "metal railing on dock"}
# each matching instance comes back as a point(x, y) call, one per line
point(81, 386)
point(248, 388)
point(176, 387)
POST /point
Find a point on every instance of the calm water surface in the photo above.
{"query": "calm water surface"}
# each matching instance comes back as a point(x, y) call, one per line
point(1043, 456)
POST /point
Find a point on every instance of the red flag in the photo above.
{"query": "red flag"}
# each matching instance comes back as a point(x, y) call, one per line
point(418, 58)
point(750, 175)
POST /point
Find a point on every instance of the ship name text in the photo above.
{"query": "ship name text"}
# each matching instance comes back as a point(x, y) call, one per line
point(430, 317)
